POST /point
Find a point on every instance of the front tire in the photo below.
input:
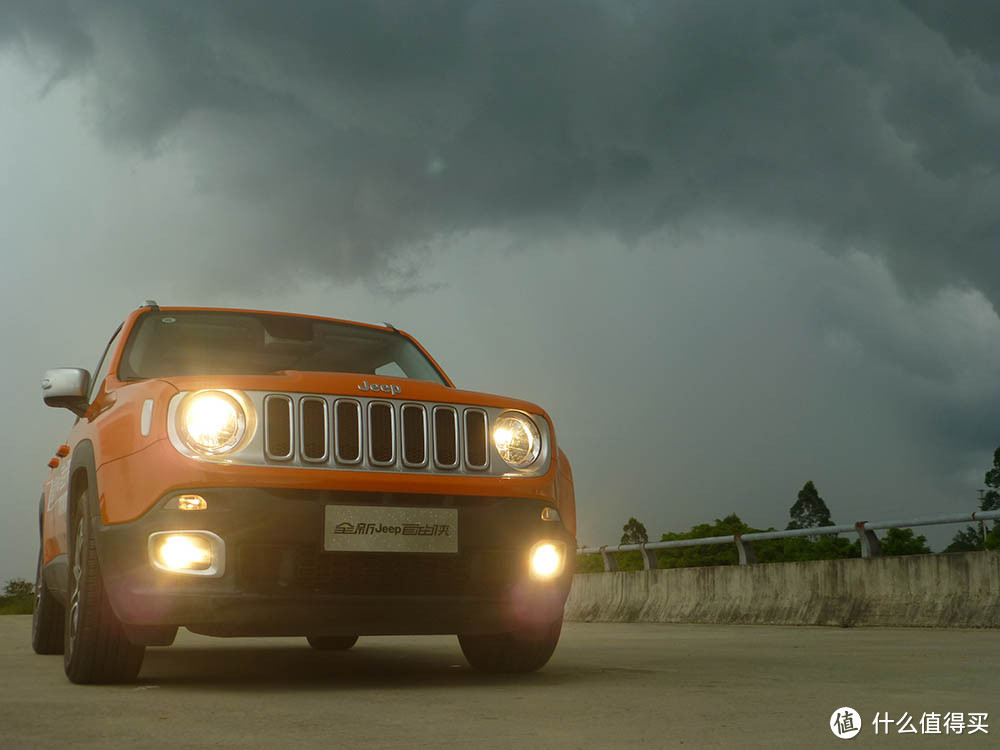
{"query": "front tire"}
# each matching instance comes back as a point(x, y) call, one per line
point(96, 649)
point(332, 642)
point(525, 651)
point(47, 618)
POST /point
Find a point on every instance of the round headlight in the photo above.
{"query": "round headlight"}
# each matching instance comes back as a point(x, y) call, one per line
point(212, 422)
point(517, 439)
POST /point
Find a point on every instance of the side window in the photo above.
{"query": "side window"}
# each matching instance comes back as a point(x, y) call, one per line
point(102, 367)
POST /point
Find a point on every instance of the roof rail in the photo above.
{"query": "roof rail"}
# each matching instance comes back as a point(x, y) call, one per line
point(150, 303)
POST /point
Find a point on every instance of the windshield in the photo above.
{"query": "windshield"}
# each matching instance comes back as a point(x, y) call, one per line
point(180, 342)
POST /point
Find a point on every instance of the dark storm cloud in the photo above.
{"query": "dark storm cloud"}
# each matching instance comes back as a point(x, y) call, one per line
point(54, 26)
point(971, 26)
point(362, 128)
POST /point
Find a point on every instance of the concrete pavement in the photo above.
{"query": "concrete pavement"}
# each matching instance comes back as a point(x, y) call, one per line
point(609, 684)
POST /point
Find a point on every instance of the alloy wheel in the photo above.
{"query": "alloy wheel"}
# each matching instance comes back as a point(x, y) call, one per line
point(74, 610)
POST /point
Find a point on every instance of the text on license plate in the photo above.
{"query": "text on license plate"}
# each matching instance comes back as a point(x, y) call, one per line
point(367, 528)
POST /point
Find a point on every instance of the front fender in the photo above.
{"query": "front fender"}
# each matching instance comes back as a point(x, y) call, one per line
point(83, 474)
point(565, 492)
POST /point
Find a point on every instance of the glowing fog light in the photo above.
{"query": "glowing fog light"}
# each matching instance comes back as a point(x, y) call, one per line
point(516, 439)
point(212, 422)
point(179, 552)
point(547, 559)
point(194, 553)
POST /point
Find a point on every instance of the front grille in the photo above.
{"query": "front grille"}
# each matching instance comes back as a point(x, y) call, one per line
point(374, 434)
point(270, 569)
point(337, 432)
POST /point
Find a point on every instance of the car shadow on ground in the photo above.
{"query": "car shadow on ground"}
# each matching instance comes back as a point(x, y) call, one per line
point(367, 665)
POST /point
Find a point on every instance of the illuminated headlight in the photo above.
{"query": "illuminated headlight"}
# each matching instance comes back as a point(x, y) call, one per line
point(212, 422)
point(516, 439)
point(547, 559)
point(192, 552)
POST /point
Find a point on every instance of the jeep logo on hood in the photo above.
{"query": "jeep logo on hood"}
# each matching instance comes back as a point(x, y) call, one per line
point(384, 388)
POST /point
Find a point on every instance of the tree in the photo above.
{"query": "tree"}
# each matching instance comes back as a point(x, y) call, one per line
point(798, 549)
point(18, 587)
point(635, 532)
point(968, 539)
point(991, 498)
point(809, 510)
point(978, 537)
point(715, 554)
point(902, 542)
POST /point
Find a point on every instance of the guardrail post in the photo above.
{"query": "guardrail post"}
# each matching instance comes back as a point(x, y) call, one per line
point(745, 549)
point(649, 559)
point(870, 545)
point(747, 555)
point(610, 563)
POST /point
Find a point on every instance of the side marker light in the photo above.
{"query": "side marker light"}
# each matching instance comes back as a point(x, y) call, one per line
point(192, 502)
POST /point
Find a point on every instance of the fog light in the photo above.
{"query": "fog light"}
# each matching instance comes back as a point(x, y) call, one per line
point(195, 553)
point(547, 559)
point(180, 552)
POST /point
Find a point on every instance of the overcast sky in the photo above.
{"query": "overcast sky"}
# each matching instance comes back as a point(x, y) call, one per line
point(730, 247)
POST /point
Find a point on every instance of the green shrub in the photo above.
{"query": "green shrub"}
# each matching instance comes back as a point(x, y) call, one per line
point(18, 597)
point(17, 605)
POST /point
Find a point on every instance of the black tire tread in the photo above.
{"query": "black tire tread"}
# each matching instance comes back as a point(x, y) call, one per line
point(103, 652)
point(332, 642)
point(48, 618)
point(511, 652)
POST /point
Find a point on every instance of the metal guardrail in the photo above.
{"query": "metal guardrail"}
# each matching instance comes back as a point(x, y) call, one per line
point(865, 530)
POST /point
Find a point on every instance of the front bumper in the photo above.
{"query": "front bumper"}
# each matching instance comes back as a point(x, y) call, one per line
point(278, 580)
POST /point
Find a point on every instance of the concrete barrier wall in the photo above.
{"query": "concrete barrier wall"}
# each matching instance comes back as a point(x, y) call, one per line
point(954, 590)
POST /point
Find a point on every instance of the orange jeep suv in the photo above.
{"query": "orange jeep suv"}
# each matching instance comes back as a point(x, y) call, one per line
point(249, 473)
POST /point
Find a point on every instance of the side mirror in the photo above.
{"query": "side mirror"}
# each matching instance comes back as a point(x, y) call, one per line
point(66, 387)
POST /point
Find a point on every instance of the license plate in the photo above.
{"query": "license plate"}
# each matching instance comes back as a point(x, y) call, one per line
point(366, 528)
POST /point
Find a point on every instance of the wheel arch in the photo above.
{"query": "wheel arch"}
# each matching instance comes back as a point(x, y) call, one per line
point(83, 476)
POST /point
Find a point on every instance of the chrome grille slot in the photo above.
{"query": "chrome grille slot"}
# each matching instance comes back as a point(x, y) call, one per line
point(278, 442)
point(381, 434)
point(477, 450)
point(413, 432)
point(347, 428)
point(445, 437)
point(314, 430)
